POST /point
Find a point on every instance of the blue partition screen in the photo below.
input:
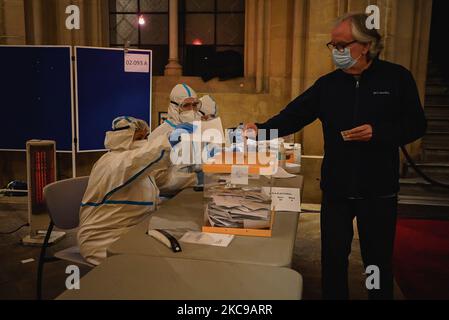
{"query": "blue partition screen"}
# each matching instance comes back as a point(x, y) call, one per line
point(105, 91)
point(35, 91)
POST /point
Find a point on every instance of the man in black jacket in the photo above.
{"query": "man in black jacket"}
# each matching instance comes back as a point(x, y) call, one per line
point(368, 109)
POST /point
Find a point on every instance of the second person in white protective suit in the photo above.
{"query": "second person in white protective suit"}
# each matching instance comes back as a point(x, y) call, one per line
point(183, 108)
point(121, 191)
point(208, 109)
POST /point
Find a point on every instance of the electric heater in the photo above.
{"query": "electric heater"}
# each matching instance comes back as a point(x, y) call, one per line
point(41, 171)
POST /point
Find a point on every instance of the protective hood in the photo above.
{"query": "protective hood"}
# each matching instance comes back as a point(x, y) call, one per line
point(177, 96)
point(122, 136)
point(124, 122)
point(208, 106)
point(119, 140)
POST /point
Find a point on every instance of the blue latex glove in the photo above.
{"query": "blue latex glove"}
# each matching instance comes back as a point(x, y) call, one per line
point(175, 136)
point(213, 151)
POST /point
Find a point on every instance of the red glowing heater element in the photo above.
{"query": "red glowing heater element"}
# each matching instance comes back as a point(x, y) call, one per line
point(41, 171)
point(141, 20)
point(197, 42)
point(41, 163)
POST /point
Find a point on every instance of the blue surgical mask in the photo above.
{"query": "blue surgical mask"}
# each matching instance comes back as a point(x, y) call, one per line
point(344, 60)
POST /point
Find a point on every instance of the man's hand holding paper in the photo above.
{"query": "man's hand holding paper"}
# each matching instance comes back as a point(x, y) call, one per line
point(363, 133)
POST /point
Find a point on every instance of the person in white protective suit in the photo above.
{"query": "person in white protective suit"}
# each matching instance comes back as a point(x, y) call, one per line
point(121, 191)
point(183, 108)
point(208, 109)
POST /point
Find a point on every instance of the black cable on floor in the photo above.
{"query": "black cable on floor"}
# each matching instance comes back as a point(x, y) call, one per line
point(420, 172)
point(14, 231)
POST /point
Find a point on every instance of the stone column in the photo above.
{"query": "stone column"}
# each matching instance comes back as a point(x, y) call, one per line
point(257, 43)
point(298, 47)
point(97, 23)
point(317, 61)
point(260, 47)
point(250, 38)
point(298, 52)
point(173, 67)
point(33, 22)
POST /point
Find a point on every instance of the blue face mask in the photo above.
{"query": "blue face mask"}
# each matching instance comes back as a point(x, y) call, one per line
point(344, 60)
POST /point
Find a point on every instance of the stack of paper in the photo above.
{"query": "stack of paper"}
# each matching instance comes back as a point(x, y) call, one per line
point(239, 208)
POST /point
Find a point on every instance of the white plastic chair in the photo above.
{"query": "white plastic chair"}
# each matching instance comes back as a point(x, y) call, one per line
point(63, 199)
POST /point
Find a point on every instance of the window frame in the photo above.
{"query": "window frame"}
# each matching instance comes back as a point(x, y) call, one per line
point(182, 19)
point(164, 48)
point(139, 43)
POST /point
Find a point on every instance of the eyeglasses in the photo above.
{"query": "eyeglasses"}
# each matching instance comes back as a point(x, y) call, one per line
point(196, 105)
point(341, 46)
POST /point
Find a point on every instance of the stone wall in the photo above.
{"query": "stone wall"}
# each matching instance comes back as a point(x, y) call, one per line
point(12, 22)
point(285, 53)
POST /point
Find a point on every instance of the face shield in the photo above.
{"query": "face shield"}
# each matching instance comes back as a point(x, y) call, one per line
point(190, 104)
point(189, 110)
point(125, 131)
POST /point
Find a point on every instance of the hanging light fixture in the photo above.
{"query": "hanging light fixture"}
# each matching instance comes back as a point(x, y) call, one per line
point(141, 20)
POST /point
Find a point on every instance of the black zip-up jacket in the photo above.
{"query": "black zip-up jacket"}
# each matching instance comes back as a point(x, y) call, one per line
point(386, 97)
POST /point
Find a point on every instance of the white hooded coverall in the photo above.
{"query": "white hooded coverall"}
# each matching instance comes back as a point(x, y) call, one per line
point(208, 106)
point(175, 178)
point(121, 191)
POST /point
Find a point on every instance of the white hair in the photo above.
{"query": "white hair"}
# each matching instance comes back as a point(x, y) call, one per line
point(362, 34)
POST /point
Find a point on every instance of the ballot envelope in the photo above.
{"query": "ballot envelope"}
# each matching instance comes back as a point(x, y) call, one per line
point(237, 194)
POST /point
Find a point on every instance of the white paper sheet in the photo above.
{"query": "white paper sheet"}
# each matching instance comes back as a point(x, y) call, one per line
point(232, 207)
point(285, 199)
point(282, 174)
point(228, 202)
point(211, 239)
point(260, 214)
point(254, 206)
point(137, 63)
point(223, 222)
point(211, 131)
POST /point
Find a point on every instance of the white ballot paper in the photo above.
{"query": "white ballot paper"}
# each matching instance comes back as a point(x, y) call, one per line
point(211, 239)
point(285, 199)
point(239, 175)
point(211, 131)
point(282, 174)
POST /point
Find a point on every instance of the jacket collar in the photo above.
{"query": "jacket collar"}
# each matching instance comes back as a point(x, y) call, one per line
point(373, 66)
